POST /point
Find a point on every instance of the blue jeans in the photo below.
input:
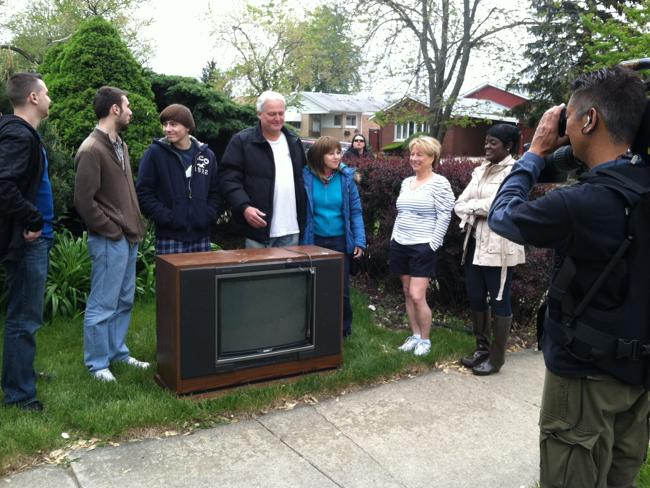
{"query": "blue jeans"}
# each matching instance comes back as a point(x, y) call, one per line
point(26, 292)
point(108, 310)
point(481, 280)
point(280, 241)
point(338, 244)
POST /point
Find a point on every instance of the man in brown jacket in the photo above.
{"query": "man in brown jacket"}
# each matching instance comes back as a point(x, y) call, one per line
point(105, 198)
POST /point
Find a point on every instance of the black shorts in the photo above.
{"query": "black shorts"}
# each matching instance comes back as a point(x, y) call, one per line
point(417, 260)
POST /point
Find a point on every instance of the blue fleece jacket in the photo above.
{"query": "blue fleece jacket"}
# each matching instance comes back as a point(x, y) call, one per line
point(355, 234)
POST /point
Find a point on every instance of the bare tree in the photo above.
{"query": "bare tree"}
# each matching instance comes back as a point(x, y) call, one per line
point(438, 37)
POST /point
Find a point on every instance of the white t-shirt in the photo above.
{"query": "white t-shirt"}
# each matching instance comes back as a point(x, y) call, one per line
point(285, 216)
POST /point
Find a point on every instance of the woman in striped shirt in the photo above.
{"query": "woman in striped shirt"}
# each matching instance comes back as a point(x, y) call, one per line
point(424, 210)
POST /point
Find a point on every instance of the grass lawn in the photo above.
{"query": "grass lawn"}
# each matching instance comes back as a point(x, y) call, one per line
point(91, 412)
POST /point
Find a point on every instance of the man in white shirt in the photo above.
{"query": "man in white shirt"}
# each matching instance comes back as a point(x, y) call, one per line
point(261, 178)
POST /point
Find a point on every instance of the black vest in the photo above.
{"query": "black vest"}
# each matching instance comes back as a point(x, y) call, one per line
point(616, 340)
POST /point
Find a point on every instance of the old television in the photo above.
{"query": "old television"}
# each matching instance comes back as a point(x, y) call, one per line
point(232, 317)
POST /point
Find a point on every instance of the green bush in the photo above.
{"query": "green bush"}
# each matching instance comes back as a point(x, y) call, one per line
point(95, 56)
point(145, 280)
point(217, 117)
point(68, 280)
point(379, 188)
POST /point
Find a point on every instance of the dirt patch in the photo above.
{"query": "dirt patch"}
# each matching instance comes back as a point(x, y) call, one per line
point(388, 306)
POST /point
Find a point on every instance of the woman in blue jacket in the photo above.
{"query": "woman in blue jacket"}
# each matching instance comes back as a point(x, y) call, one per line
point(177, 185)
point(334, 215)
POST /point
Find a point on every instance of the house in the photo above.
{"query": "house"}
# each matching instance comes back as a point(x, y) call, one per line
point(475, 111)
point(317, 114)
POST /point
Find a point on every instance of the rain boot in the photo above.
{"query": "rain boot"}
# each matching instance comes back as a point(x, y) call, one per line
point(481, 329)
point(501, 330)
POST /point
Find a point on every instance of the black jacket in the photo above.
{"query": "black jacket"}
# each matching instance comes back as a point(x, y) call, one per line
point(247, 178)
point(351, 154)
point(21, 170)
point(588, 223)
point(183, 209)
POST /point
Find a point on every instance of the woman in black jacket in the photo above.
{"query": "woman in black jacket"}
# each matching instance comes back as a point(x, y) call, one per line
point(358, 149)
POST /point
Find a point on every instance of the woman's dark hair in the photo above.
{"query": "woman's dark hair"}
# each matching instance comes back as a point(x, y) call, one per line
point(506, 133)
point(366, 149)
point(317, 152)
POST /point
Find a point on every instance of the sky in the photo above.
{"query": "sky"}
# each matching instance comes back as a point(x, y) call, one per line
point(188, 56)
point(181, 43)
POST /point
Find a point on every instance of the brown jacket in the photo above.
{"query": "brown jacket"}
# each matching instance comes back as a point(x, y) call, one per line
point(104, 195)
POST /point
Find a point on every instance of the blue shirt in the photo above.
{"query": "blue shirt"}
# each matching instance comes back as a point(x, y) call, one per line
point(45, 201)
point(328, 207)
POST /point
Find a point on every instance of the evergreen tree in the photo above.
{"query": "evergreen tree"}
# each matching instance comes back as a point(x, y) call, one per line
point(93, 57)
point(217, 117)
point(559, 51)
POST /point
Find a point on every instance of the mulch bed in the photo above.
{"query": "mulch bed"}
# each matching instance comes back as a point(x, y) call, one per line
point(388, 305)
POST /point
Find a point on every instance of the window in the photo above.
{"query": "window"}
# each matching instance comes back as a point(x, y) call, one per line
point(337, 120)
point(407, 129)
point(350, 120)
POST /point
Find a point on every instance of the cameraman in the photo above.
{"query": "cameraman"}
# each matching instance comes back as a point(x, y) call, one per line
point(593, 427)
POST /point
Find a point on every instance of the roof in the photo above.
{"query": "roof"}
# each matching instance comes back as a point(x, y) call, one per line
point(480, 87)
point(319, 103)
point(481, 109)
point(468, 107)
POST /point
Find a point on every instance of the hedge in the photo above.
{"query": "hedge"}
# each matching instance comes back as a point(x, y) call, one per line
point(379, 187)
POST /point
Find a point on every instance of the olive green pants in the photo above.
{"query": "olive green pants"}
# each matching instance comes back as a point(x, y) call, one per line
point(593, 432)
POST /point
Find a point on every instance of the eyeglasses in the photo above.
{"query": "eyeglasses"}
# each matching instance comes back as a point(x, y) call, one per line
point(358, 140)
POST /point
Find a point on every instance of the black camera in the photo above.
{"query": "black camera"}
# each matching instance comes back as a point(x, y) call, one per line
point(561, 163)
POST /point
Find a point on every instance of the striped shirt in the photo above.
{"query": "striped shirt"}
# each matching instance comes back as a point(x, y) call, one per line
point(423, 214)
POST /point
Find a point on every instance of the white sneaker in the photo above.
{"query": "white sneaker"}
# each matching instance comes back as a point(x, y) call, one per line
point(423, 347)
point(103, 375)
point(409, 344)
point(131, 361)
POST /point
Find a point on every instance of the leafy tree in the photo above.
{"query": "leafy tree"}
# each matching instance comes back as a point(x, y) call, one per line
point(325, 59)
point(217, 117)
point(619, 39)
point(443, 34)
point(44, 23)
point(96, 56)
point(274, 50)
point(560, 49)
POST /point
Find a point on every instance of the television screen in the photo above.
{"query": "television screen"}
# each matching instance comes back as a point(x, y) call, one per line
point(260, 313)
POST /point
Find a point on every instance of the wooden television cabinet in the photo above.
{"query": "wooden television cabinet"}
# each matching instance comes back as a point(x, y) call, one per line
point(188, 323)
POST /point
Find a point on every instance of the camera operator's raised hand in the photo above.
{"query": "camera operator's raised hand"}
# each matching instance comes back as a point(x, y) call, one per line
point(547, 136)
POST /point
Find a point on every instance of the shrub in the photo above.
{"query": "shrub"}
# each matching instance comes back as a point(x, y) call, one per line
point(379, 188)
point(73, 71)
point(217, 117)
point(145, 279)
point(68, 280)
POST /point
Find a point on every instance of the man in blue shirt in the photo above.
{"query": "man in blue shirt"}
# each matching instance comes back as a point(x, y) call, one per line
point(593, 426)
point(26, 233)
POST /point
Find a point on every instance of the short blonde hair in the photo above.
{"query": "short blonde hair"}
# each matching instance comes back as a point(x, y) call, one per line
point(429, 145)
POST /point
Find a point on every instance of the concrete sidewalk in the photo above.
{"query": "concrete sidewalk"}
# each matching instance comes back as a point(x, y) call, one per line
point(444, 429)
